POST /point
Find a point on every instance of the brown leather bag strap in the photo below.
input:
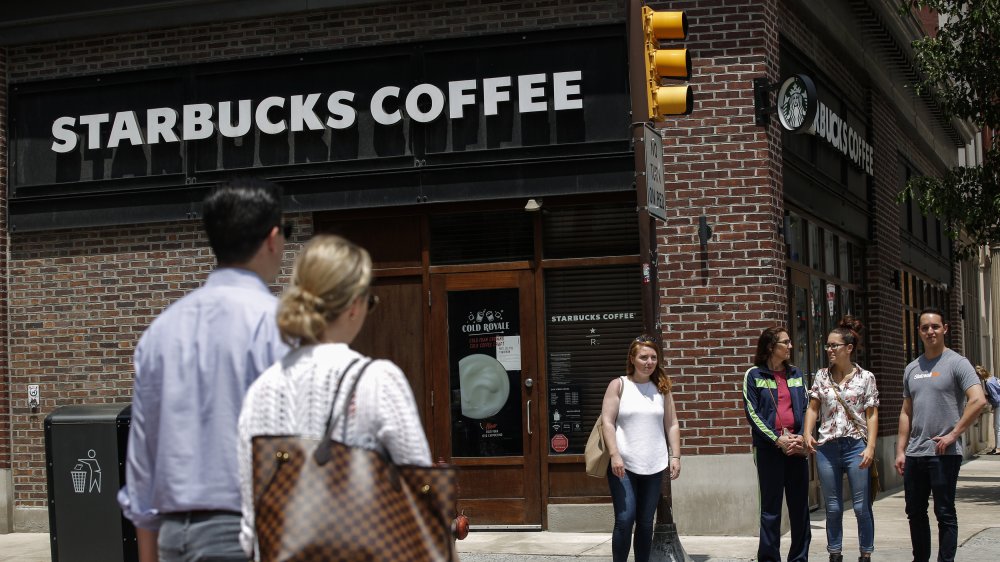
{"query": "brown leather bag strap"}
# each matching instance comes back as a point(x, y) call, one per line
point(336, 393)
point(350, 398)
point(862, 428)
point(322, 452)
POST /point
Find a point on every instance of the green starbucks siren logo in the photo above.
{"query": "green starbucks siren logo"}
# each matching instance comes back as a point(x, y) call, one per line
point(797, 103)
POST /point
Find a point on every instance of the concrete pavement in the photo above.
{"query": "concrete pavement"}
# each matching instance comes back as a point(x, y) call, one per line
point(978, 502)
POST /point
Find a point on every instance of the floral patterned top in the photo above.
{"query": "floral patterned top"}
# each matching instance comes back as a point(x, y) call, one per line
point(860, 394)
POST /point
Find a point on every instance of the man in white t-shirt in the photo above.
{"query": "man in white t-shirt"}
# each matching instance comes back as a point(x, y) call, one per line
point(941, 398)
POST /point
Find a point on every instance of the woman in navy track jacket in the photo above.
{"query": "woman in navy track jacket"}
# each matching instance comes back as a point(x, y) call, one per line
point(775, 401)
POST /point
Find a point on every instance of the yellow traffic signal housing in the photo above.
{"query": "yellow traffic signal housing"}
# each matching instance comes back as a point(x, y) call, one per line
point(666, 63)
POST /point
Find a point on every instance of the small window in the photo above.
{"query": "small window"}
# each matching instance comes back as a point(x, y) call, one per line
point(830, 253)
point(815, 252)
point(844, 254)
point(495, 236)
point(590, 231)
point(794, 238)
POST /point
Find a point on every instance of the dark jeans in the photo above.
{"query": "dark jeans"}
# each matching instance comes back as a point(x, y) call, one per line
point(923, 476)
point(201, 537)
point(780, 476)
point(635, 498)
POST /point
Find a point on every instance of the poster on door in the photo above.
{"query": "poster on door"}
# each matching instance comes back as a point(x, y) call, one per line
point(484, 357)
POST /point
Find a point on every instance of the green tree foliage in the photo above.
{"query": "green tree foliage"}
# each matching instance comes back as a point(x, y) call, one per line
point(960, 68)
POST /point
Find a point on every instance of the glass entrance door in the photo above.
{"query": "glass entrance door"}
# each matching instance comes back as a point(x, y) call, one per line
point(803, 334)
point(485, 370)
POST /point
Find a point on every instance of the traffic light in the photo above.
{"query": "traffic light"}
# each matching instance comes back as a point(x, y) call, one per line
point(666, 63)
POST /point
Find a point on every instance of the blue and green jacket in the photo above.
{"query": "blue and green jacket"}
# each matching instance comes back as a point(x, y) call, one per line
point(759, 393)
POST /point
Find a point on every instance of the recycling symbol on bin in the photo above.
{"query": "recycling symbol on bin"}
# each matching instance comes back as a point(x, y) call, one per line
point(86, 474)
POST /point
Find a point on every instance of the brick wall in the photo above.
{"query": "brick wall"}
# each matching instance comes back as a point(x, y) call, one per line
point(80, 299)
point(5, 389)
point(885, 306)
point(714, 304)
point(928, 21)
point(405, 22)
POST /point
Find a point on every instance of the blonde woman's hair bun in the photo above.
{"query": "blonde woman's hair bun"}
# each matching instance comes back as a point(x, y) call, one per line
point(329, 274)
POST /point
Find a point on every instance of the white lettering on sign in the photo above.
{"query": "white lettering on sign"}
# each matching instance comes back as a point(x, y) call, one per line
point(590, 317)
point(424, 103)
point(656, 196)
point(493, 95)
point(243, 121)
point(832, 128)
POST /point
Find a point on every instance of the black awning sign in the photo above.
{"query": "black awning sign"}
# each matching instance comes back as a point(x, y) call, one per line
point(273, 115)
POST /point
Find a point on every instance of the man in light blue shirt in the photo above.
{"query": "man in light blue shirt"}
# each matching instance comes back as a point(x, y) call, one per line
point(193, 366)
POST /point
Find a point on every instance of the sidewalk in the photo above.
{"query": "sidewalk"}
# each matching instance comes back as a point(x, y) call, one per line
point(977, 499)
point(978, 502)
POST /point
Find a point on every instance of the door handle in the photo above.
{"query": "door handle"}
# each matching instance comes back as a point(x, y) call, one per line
point(529, 417)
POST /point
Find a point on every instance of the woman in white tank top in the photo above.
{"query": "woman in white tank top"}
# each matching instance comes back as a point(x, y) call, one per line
point(643, 437)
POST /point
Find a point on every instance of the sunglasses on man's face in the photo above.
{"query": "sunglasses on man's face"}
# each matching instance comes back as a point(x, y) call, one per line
point(373, 301)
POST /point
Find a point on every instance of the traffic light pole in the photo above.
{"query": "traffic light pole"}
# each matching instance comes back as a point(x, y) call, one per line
point(666, 542)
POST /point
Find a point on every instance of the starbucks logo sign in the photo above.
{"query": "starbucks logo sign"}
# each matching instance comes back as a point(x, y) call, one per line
point(797, 103)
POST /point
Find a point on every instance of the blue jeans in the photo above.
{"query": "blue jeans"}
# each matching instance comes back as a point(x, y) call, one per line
point(201, 537)
point(833, 459)
point(923, 476)
point(634, 498)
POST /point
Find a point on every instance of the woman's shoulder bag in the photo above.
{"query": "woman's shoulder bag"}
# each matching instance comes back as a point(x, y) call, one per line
point(323, 500)
point(875, 487)
point(595, 455)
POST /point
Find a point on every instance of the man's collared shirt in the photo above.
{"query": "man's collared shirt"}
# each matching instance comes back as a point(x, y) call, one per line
point(193, 365)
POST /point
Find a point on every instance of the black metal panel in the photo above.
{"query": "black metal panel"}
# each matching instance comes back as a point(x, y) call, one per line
point(481, 237)
point(916, 255)
point(164, 204)
point(156, 203)
point(58, 158)
point(824, 200)
point(590, 231)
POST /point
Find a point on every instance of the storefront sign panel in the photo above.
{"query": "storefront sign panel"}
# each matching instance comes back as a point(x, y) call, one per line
point(358, 110)
point(800, 111)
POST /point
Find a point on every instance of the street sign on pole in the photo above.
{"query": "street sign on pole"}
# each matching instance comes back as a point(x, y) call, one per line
point(655, 196)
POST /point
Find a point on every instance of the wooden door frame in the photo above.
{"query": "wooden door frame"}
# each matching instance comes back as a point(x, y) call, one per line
point(796, 279)
point(532, 434)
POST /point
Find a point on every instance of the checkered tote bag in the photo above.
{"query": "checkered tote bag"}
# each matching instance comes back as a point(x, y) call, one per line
point(322, 500)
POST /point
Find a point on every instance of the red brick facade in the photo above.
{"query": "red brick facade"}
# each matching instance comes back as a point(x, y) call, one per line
point(718, 163)
point(5, 387)
point(79, 299)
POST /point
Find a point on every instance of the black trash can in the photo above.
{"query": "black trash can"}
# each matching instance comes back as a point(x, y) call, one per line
point(85, 465)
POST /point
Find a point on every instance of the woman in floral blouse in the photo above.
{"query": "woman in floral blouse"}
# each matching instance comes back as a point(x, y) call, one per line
point(844, 400)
